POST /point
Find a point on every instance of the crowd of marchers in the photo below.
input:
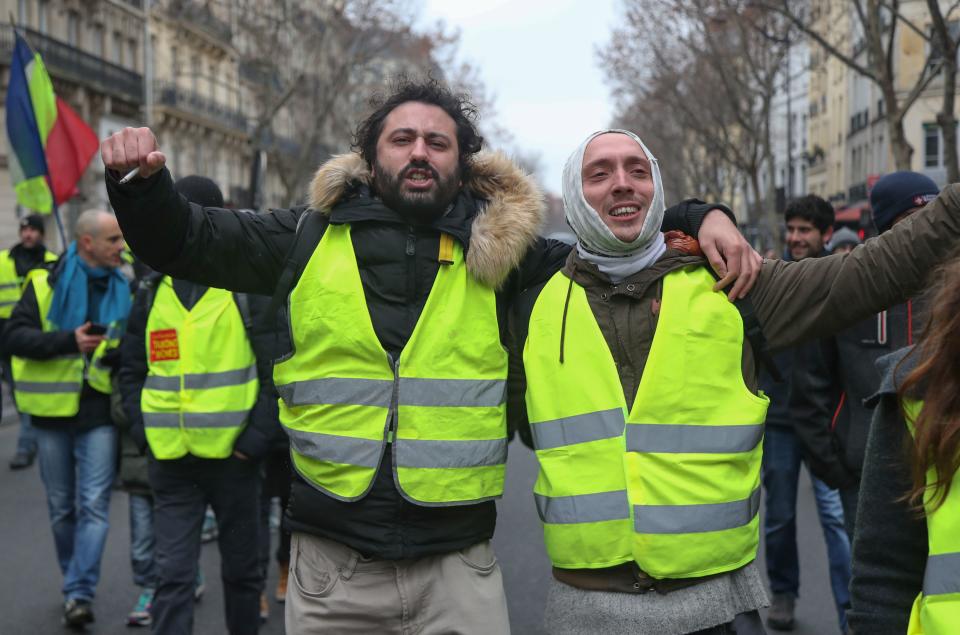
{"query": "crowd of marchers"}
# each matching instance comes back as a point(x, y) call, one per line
point(368, 356)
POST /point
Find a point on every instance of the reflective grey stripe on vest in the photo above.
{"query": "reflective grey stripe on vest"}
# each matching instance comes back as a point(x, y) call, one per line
point(337, 391)
point(48, 386)
point(432, 453)
point(230, 419)
point(671, 438)
point(585, 508)
point(8, 302)
point(9, 285)
point(476, 393)
point(335, 449)
point(943, 574)
point(693, 519)
point(200, 381)
point(584, 428)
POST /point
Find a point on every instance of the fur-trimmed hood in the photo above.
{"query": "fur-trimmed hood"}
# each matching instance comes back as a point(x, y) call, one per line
point(502, 231)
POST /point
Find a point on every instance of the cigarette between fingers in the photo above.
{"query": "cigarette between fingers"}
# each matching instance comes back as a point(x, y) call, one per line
point(129, 176)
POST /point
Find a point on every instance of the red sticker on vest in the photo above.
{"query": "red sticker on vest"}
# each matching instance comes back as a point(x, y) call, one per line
point(164, 346)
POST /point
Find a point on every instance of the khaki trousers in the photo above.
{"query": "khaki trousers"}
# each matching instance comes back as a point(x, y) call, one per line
point(333, 589)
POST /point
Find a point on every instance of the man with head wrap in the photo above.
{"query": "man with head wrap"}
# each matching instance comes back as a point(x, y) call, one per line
point(642, 401)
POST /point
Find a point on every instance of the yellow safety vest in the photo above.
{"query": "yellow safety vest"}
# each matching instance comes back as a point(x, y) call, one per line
point(52, 387)
point(340, 390)
point(673, 484)
point(202, 375)
point(936, 610)
point(11, 285)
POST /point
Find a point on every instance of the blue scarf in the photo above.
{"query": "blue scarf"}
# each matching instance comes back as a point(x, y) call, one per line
point(69, 309)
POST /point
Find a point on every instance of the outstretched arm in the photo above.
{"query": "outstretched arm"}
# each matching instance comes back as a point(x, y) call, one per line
point(821, 296)
point(229, 249)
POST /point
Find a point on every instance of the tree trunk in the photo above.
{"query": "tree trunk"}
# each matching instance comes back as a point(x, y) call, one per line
point(901, 148)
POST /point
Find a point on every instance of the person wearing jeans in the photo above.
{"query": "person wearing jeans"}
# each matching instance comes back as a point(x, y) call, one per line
point(62, 336)
point(77, 469)
point(781, 473)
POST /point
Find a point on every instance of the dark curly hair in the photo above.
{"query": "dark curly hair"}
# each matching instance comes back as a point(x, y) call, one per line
point(428, 91)
point(812, 209)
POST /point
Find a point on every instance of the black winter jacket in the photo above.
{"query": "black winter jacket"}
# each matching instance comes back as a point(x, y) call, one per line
point(263, 426)
point(23, 336)
point(495, 219)
point(836, 375)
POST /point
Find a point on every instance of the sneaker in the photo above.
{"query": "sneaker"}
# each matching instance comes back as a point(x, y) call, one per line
point(77, 614)
point(22, 460)
point(209, 532)
point(280, 595)
point(140, 615)
point(264, 608)
point(780, 615)
point(199, 587)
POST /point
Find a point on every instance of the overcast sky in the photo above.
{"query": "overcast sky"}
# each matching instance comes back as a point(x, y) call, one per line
point(537, 57)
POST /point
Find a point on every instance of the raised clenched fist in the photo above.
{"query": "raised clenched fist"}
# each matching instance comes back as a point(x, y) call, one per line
point(130, 148)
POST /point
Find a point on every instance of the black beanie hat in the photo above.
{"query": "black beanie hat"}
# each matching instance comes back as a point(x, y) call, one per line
point(200, 190)
point(33, 220)
point(898, 192)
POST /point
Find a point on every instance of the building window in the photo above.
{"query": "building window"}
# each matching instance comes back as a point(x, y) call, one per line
point(96, 34)
point(117, 52)
point(195, 75)
point(132, 53)
point(43, 7)
point(174, 63)
point(932, 155)
point(73, 28)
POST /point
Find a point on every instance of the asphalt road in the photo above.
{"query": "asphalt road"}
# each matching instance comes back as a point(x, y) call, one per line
point(30, 579)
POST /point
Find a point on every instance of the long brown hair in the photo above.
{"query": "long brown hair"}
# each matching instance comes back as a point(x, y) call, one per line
point(936, 438)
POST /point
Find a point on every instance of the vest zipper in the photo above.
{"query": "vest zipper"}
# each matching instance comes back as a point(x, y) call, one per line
point(394, 411)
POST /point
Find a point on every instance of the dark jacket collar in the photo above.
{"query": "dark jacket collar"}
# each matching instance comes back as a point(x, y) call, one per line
point(361, 206)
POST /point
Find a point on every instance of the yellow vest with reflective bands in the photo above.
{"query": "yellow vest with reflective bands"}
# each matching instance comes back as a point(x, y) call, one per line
point(936, 610)
point(52, 387)
point(202, 375)
point(340, 391)
point(11, 285)
point(673, 484)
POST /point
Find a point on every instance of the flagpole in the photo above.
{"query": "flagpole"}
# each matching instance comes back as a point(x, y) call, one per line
point(63, 234)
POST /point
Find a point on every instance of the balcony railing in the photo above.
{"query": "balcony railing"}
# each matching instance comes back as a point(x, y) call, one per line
point(168, 94)
point(65, 61)
point(200, 16)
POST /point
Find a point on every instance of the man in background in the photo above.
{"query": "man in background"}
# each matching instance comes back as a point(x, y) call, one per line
point(809, 226)
point(836, 374)
point(63, 335)
point(15, 263)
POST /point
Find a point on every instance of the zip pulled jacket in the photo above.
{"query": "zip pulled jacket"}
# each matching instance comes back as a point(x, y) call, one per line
point(495, 218)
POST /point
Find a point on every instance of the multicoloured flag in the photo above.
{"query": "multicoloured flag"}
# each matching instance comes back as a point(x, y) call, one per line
point(50, 146)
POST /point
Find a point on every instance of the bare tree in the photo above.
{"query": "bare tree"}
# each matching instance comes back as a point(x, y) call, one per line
point(309, 66)
point(945, 44)
point(878, 20)
point(703, 65)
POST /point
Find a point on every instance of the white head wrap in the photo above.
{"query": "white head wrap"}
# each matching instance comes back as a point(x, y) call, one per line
point(595, 242)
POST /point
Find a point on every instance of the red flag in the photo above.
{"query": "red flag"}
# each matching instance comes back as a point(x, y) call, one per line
point(71, 145)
